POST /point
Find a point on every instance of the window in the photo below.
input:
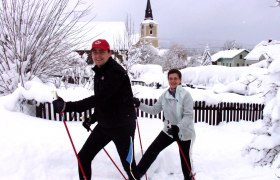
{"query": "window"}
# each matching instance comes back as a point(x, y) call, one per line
point(240, 56)
point(151, 31)
point(237, 64)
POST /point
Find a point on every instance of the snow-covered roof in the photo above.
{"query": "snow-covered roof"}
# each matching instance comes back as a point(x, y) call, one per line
point(114, 32)
point(148, 21)
point(271, 48)
point(226, 54)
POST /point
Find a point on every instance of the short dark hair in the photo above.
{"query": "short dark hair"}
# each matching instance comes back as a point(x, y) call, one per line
point(174, 71)
point(109, 51)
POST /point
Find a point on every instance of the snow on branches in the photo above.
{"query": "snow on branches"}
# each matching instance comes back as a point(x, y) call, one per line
point(37, 38)
point(265, 146)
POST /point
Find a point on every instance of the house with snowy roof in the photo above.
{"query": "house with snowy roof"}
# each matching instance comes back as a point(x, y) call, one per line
point(231, 58)
point(263, 50)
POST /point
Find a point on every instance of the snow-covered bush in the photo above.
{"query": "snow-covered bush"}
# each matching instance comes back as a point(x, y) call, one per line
point(174, 58)
point(142, 54)
point(266, 145)
point(148, 73)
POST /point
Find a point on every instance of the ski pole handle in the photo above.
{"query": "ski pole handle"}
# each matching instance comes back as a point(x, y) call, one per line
point(54, 94)
point(168, 124)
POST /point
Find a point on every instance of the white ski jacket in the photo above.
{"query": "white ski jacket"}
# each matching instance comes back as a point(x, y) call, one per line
point(177, 111)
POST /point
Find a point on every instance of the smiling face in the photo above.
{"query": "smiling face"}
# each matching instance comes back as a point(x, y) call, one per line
point(100, 56)
point(174, 80)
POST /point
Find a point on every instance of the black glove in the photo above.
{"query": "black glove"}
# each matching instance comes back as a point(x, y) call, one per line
point(89, 121)
point(174, 130)
point(58, 105)
point(136, 102)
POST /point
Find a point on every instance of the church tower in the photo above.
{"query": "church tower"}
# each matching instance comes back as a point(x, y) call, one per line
point(149, 28)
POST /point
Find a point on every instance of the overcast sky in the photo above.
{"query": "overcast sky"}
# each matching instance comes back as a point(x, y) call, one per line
point(196, 23)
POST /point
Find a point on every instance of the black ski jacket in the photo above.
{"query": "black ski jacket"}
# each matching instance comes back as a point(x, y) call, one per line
point(112, 99)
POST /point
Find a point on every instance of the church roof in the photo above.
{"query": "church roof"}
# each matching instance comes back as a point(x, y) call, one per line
point(148, 13)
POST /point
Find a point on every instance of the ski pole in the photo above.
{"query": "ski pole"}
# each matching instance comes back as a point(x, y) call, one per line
point(61, 114)
point(83, 119)
point(79, 162)
point(140, 144)
point(182, 153)
point(113, 162)
point(185, 159)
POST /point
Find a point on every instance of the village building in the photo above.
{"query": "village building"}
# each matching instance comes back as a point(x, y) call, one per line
point(149, 28)
point(230, 58)
point(263, 50)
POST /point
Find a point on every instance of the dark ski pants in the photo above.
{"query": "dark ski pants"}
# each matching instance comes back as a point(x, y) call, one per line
point(160, 143)
point(99, 138)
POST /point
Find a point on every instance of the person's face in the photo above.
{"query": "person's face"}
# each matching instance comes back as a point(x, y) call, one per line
point(100, 56)
point(173, 80)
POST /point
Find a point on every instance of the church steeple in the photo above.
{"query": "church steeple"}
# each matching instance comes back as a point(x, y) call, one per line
point(148, 14)
point(149, 28)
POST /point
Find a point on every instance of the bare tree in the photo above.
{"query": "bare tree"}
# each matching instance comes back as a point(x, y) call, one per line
point(37, 38)
point(130, 58)
point(129, 25)
point(231, 44)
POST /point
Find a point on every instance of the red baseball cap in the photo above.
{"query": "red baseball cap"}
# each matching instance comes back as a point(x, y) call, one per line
point(100, 43)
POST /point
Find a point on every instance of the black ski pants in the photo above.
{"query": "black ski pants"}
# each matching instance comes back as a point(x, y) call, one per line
point(160, 143)
point(99, 138)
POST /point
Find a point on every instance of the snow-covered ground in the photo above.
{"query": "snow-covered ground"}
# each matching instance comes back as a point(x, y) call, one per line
point(34, 148)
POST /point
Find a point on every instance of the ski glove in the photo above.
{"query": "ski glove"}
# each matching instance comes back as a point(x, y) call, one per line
point(59, 105)
point(136, 102)
point(174, 130)
point(89, 121)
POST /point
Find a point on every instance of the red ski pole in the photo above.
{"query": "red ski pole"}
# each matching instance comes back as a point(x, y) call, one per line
point(140, 143)
point(185, 159)
point(76, 154)
point(82, 118)
point(113, 161)
point(55, 96)
point(114, 164)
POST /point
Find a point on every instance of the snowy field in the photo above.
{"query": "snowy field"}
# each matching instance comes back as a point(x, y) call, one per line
point(33, 148)
point(39, 149)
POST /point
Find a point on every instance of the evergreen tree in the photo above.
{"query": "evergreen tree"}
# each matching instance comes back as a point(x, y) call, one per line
point(206, 57)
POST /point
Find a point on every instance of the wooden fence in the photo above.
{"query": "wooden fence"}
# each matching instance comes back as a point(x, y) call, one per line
point(211, 114)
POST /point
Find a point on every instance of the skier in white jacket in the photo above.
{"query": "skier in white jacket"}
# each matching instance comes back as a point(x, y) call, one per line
point(177, 106)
